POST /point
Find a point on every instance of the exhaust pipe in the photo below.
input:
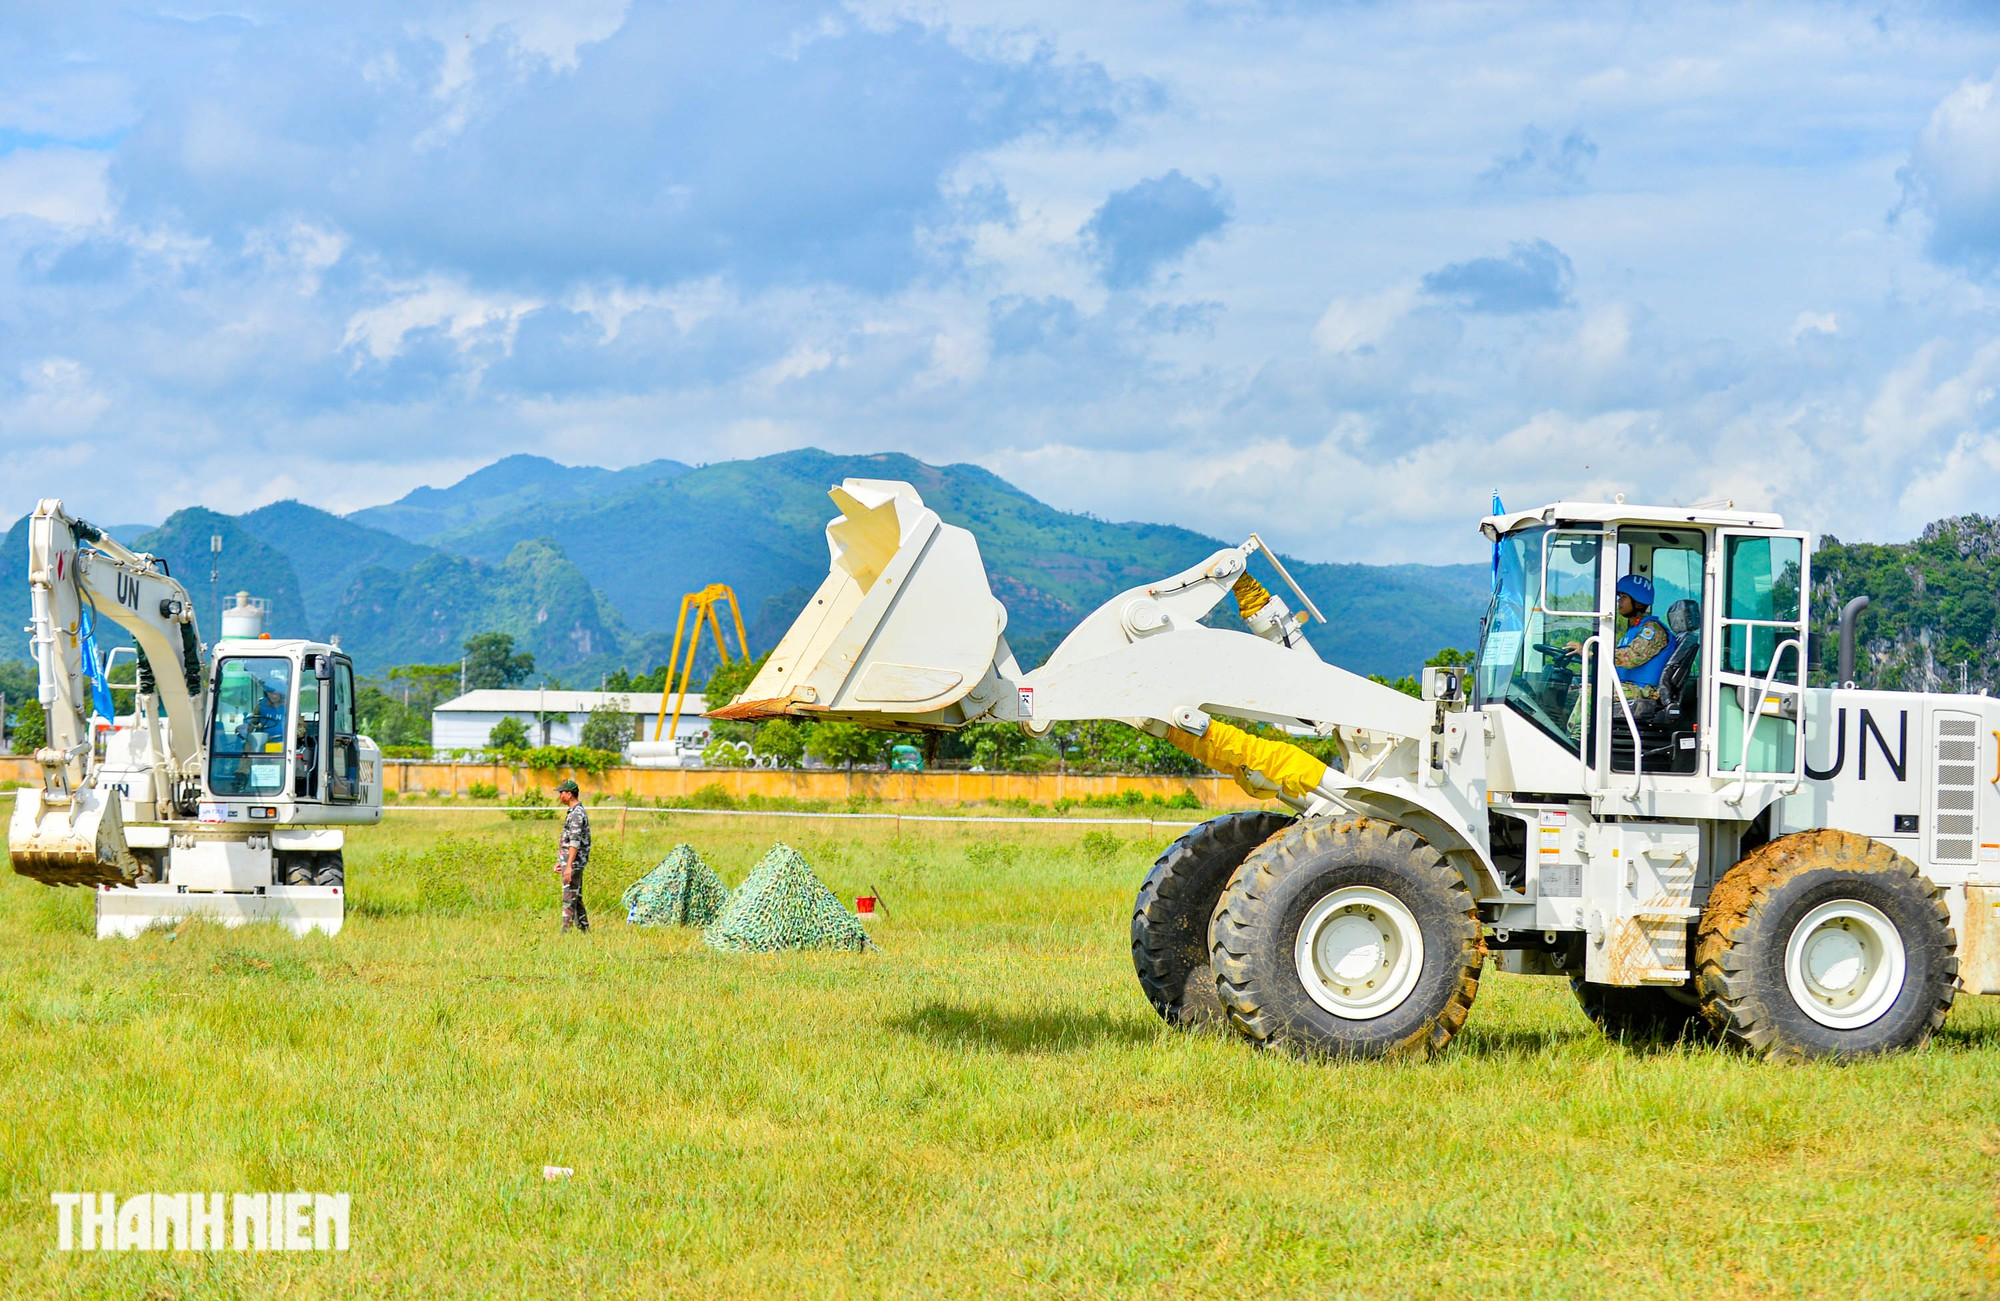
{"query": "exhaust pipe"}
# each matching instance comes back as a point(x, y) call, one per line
point(1848, 614)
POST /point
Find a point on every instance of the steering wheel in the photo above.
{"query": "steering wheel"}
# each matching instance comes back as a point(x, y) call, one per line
point(1558, 652)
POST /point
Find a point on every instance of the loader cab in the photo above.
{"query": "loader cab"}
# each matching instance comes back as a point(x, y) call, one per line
point(282, 726)
point(1728, 593)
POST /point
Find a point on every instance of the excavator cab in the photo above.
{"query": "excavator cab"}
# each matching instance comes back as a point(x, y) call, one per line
point(282, 727)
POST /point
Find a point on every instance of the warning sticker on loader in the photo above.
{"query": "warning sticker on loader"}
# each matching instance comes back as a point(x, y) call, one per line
point(1027, 709)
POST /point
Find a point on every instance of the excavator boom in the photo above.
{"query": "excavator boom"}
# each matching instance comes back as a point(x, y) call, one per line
point(70, 832)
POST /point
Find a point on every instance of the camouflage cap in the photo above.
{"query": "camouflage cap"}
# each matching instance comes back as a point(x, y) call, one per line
point(567, 785)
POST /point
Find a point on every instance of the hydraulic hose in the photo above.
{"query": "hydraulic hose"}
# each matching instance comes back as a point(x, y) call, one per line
point(1234, 751)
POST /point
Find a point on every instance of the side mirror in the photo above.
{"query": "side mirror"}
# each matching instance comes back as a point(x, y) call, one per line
point(323, 668)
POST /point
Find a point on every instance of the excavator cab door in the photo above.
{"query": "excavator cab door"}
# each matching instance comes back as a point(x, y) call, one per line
point(309, 747)
point(343, 769)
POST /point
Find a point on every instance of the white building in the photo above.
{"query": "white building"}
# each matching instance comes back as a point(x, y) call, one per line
point(557, 717)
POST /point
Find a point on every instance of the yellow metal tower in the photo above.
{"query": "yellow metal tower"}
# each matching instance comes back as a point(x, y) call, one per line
point(703, 604)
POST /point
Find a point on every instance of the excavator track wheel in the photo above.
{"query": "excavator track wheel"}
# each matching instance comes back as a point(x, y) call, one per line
point(1825, 944)
point(1347, 938)
point(1170, 919)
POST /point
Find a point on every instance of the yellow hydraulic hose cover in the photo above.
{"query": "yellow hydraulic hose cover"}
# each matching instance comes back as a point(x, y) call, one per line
point(1251, 595)
point(1233, 750)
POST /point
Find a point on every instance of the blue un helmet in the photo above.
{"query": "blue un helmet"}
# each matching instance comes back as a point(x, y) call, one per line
point(1638, 587)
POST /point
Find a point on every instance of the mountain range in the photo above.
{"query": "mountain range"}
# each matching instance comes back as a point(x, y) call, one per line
point(586, 567)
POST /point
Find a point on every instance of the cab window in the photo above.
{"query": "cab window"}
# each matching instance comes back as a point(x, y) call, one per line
point(1523, 655)
point(249, 725)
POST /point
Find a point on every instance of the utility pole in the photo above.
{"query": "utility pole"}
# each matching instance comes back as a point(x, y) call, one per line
point(215, 578)
point(461, 673)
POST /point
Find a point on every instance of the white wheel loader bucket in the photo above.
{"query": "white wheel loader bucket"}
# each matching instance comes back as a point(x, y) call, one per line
point(77, 839)
point(904, 632)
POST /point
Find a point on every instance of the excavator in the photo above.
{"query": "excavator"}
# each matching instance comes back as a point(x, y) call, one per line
point(225, 792)
point(1732, 852)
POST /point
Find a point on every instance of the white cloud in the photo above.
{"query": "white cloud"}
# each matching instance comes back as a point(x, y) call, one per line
point(1352, 324)
point(464, 315)
point(63, 186)
point(1806, 323)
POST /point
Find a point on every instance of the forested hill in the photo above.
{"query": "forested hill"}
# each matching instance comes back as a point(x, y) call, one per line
point(586, 567)
point(1934, 606)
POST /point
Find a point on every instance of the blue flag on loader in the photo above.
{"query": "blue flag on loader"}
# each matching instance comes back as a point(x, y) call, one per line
point(1498, 509)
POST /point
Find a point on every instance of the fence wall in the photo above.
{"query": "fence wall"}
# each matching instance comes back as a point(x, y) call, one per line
point(414, 777)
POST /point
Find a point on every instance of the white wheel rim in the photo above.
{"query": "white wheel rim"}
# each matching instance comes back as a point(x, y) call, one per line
point(1359, 953)
point(1844, 964)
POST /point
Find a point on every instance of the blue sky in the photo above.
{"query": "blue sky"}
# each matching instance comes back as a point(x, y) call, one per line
point(1330, 271)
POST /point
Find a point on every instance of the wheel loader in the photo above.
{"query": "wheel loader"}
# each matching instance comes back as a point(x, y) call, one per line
point(225, 792)
point(1802, 871)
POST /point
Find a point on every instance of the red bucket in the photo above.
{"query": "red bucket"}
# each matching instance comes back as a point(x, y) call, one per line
point(864, 904)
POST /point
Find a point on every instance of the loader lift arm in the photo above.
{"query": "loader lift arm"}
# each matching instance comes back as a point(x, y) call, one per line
point(905, 633)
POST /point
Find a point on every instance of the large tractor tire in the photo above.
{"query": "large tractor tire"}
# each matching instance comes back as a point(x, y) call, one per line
point(1642, 1014)
point(1176, 903)
point(295, 869)
point(331, 869)
point(1347, 939)
point(1825, 944)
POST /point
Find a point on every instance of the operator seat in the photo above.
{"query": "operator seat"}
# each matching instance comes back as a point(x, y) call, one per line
point(1683, 620)
point(1665, 723)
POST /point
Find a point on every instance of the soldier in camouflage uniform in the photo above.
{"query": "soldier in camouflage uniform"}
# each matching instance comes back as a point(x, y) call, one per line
point(572, 856)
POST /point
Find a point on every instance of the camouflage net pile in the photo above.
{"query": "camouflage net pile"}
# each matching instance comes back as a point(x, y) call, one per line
point(782, 905)
point(681, 891)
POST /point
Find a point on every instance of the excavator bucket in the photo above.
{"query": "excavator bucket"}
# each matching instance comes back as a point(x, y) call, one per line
point(904, 632)
point(78, 839)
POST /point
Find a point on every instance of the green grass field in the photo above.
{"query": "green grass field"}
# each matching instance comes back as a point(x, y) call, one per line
point(984, 1106)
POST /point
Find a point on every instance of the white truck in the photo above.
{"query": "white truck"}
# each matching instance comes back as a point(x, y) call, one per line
point(1805, 871)
point(224, 793)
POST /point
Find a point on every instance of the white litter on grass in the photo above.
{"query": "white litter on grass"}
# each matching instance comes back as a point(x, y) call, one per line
point(554, 1172)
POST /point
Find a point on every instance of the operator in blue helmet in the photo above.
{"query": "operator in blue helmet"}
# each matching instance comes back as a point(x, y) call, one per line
point(1643, 649)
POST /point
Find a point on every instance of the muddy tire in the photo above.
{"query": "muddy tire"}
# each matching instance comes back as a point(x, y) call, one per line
point(1643, 1014)
point(1825, 944)
point(295, 869)
point(1176, 903)
point(329, 869)
point(1347, 938)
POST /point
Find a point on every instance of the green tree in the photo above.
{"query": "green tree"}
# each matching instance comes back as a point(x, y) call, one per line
point(608, 727)
point(1006, 747)
point(491, 661)
point(1105, 746)
point(726, 681)
point(424, 687)
point(1410, 685)
point(389, 721)
point(509, 734)
point(842, 745)
point(783, 740)
point(31, 727)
